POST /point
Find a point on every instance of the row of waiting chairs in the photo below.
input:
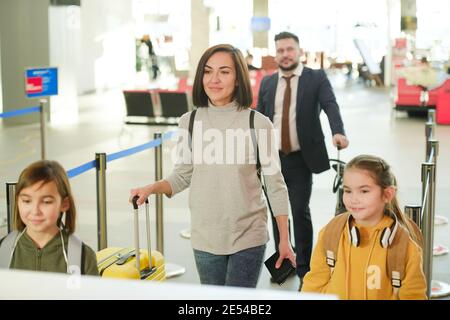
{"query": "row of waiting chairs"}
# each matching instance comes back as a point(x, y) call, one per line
point(161, 107)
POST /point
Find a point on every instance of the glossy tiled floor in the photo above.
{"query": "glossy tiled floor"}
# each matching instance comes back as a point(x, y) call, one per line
point(371, 126)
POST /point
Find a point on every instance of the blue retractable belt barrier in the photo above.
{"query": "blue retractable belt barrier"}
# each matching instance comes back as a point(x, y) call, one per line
point(121, 154)
point(142, 147)
point(15, 113)
point(81, 169)
point(128, 152)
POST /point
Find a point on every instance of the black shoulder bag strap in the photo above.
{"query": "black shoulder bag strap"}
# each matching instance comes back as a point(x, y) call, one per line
point(191, 128)
point(258, 163)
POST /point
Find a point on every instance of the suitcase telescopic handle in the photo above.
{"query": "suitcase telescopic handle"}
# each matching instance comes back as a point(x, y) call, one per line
point(136, 232)
point(339, 159)
point(135, 199)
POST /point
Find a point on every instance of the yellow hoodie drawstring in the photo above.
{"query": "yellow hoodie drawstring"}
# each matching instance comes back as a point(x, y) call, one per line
point(347, 272)
point(368, 261)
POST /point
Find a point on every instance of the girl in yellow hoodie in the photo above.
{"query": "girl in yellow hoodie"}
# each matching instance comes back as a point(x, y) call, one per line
point(372, 224)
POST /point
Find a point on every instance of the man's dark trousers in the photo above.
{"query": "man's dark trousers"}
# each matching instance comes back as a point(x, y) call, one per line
point(298, 179)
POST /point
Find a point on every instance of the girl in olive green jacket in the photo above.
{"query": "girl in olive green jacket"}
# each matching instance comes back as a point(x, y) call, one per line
point(41, 240)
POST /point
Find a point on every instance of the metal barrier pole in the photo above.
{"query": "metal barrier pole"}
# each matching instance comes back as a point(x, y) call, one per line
point(172, 269)
point(10, 202)
point(428, 176)
point(429, 134)
point(159, 197)
point(435, 288)
point(432, 116)
point(42, 120)
point(413, 212)
point(432, 150)
point(433, 144)
point(100, 159)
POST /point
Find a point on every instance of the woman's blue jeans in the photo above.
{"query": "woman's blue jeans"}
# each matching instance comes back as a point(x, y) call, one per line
point(240, 269)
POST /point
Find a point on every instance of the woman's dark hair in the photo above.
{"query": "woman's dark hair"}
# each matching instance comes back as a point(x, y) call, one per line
point(242, 92)
point(46, 171)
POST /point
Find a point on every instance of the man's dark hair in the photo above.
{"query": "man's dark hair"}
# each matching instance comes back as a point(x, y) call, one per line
point(286, 35)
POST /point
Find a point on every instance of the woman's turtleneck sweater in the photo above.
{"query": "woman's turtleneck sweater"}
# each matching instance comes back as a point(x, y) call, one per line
point(228, 211)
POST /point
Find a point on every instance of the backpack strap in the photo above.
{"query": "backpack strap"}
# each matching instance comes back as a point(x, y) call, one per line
point(74, 254)
point(396, 258)
point(258, 162)
point(331, 236)
point(416, 230)
point(252, 132)
point(254, 141)
point(6, 249)
point(191, 127)
point(396, 253)
point(74, 251)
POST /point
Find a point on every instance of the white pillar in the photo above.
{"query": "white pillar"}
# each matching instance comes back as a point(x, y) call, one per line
point(393, 31)
point(409, 20)
point(261, 9)
point(200, 34)
point(65, 37)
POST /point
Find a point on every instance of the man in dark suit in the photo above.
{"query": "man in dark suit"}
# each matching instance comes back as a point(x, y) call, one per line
point(293, 99)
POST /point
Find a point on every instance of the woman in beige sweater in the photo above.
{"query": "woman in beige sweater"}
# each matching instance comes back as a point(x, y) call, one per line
point(229, 216)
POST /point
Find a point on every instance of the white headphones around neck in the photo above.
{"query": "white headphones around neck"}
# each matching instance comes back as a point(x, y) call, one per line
point(387, 235)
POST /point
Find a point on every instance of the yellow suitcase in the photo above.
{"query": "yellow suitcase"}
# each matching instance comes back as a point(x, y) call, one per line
point(123, 263)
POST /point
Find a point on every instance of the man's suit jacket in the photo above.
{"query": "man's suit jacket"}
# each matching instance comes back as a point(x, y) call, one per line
point(314, 94)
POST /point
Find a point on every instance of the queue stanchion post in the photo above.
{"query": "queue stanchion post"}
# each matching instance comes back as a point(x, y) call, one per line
point(159, 197)
point(432, 150)
point(435, 289)
point(428, 178)
point(432, 153)
point(413, 212)
point(10, 203)
point(172, 269)
point(432, 116)
point(100, 159)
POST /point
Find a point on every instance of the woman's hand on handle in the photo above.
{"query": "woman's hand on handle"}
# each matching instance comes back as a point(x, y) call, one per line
point(142, 192)
point(159, 187)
